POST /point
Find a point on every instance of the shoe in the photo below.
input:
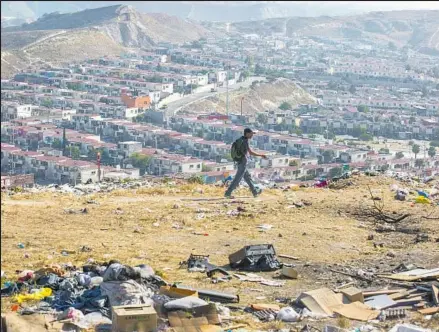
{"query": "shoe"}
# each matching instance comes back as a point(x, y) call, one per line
point(257, 193)
point(229, 196)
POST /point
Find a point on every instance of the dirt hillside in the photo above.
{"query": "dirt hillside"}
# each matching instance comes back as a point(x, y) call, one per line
point(258, 98)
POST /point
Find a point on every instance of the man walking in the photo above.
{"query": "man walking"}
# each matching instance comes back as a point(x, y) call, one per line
point(240, 153)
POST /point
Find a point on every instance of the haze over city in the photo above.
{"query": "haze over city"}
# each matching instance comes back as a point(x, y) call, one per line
point(220, 166)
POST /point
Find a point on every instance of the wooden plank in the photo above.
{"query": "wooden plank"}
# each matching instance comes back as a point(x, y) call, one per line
point(407, 302)
point(435, 294)
point(403, 294)
point(382, 292)
point(429, 311)
point(289, 257)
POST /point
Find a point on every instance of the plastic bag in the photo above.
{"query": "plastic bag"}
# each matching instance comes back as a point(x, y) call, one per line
point(288, 314)
point(188, 302)
point(38, 295)
point(92, 319)
point(422, 200)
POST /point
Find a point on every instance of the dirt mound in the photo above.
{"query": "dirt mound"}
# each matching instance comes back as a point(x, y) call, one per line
point(258, 98)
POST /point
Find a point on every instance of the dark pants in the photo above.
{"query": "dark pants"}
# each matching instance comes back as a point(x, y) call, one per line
point(242, 172)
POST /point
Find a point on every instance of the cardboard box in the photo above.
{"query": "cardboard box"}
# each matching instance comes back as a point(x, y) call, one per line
point(134, 318)
point(353, 294)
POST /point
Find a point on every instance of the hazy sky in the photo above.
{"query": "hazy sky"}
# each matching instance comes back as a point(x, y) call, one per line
point(34, 9)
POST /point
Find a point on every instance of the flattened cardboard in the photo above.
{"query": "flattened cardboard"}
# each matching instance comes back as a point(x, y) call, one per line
point(203, 328)
point(357, 311)
point(321, 300)
point(205, 315)
point(177, 293)
point(413, 275)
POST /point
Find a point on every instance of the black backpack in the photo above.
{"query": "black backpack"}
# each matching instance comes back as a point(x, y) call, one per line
point(238, 149)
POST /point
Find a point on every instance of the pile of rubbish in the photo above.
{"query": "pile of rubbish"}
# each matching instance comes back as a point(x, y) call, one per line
point(108, 295)
point(417, 195)
point(91, 188)
point(116, 297)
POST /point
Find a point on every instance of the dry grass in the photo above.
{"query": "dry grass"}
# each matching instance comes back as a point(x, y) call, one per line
point(321, 233)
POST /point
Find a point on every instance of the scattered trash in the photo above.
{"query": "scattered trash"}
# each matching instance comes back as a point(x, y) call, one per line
point(73, 211)
point(20, 245)
point(288, 315)
point(289, 272)
point(265, 227)
point(255, 258)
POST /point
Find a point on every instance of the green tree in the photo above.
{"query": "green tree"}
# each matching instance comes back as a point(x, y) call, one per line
point(416, 149)
point(352, 89)
point(293, 163)
point(312, 136)
point(57, 144)
point(205, 168)
point(250, 62)
point(432, 151)
point(259, 70)
point(366, 137)
point(435, 144)
point(411, 143)
point(285, 106)
point(408, 67)
point(328, 156)
point(419, 163)
point(399, 155)
point(74, 152)
point(384, 151)
point(140, 161)
point(412, 119)
point(92, 154)
point(336, 171)
point(262, 118)
point(245, 74)
point(363, 109)
point(299, 132)
point(47, 103)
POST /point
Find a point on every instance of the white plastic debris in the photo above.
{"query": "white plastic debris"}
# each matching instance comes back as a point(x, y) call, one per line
point(265, 227)
point(408, 328)
point(188, 302)
point(288, 314)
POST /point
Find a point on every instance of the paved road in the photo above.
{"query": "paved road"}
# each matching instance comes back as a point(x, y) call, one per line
point(176, 106)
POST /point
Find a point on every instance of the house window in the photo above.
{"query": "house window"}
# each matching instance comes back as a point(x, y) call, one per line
point(198, 166)
point(191, 166)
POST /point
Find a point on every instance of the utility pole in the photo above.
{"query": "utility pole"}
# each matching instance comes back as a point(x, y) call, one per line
point(64, 140)
point(242, 98)
point(227, 86)
point(98, 159)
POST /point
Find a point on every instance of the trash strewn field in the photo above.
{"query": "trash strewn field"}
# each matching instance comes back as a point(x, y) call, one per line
point(323, 238)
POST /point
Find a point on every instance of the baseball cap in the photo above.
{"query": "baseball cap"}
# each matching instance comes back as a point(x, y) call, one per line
point(249, 131)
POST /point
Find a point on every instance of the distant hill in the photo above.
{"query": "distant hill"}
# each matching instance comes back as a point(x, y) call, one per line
point(258, 98)
point(415, 29)
point(220, 11)
point(94, 32)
